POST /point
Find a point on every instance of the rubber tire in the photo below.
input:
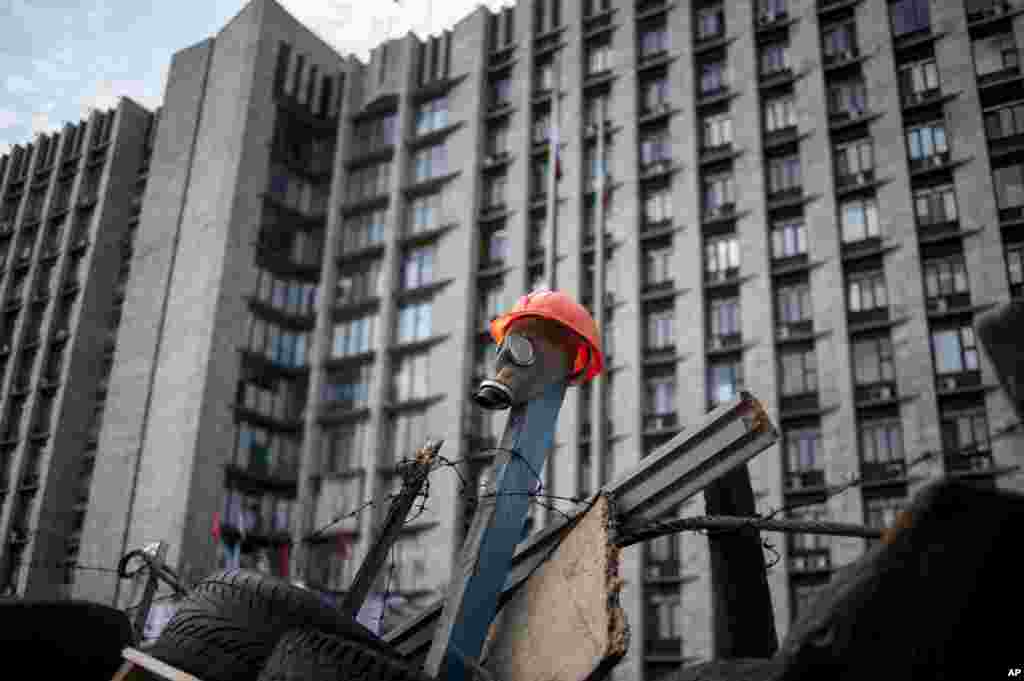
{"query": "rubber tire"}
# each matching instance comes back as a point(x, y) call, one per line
point(227, 627)
point(310, 655)
point(63, 639)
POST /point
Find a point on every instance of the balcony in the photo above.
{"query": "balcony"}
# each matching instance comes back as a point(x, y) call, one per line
point(955, 383)
point(841, 57)
point(875, 392)
point(723, 212)
point(912, 99)
point(766, 19)
point(725, 343)
point(724, 277)
point(970, 460)
point(661, 421)
point(854, 181)
point(1009, 72)
point(798, 481)
point(794, 331)
point(996, 10)
point(894, 470)
point(944, 305)
point(929, 163)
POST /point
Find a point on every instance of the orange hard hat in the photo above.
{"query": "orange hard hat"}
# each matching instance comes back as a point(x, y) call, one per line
point(559, 307)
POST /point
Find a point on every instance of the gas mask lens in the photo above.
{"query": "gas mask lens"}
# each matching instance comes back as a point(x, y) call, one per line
point(519, 350)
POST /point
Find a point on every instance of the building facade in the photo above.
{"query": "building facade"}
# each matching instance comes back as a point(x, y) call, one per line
point(828, 191)
point(69, 211)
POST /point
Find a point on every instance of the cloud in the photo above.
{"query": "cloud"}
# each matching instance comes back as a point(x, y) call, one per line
point(20, 85)
point(106, 93)
point(8, 118)
point(40, 122)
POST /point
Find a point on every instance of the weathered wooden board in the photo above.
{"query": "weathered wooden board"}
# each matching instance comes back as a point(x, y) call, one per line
point(565, 623)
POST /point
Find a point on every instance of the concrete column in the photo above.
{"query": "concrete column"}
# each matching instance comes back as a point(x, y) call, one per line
point(835, 390)
point(116, 473)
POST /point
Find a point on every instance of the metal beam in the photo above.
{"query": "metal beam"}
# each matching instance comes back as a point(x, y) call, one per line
point(682, 467)
point(728, 523)
point(414, 476)
point(472, 601)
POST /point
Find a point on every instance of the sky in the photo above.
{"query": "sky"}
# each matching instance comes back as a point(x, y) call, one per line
point(61, 58)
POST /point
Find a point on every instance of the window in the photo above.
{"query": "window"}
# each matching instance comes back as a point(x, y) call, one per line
point(414, 323)
point(655, 147)
point(494, 192)
point(353, 337)
point(599, 59)
point(799, 372)
point(945, 277)
point(725, 380)
point(710, 22)
point(873, 361)
point(713, 78)
point(501, 93)
point(418, 267)
point(717, 130)
point(662, 558)
point(542, 127)
point(369, 182)
point(839, 42)
point(431, 115)
point(496, 247)
point(881, 442)
point(349, 388)
point(794, 303)
point(1015, 266)
point(784, 174)
point(410, 380)
point(345, 445)
point(657, 206)
point(779, 114)
point(595, 167)
point(866, 291)
point(661, 397)
point(803, 544)
point(255, 449)
point(789, 239)
point(955, 350)
point(724, 322)
point(408, 432)
point(655, 95)
point(934, 205)
point(909, 16)
point(661, 329)
point(544, 76)
point(538, 235)
point(364, 230)
point(774, 58)
point(965, 431)
point(430, 162)
point(595, 109)
point(1006, 121)
point(770, 10)
point(718, 195)
point(926, 141)
point(995, 54)
point(653, 41)
point(919, 80)
point(859, 220)
point(854, 161)
point(592, 7)
point(497, 140)
point(490, 305)
point(658, 268)
point(722, 254)
point(803, 451)
point(880, 512)
point(663, 615)
point(425, 213)
point(1009, 183)
point(847, 99)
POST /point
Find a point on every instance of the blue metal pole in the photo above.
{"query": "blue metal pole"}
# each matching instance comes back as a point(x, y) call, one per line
point(472, 601)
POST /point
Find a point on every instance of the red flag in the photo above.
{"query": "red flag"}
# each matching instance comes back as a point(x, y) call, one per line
point(344, 545)
point(284, 556)
point(215, 530)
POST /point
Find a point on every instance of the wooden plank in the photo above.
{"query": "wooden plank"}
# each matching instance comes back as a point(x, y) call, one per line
point(142, 667)
point(743, 621)
point(566, 623)
point(415, 478)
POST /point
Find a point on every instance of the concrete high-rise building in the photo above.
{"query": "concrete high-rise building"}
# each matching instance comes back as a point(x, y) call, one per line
point(810, 200)
point(69, 211)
